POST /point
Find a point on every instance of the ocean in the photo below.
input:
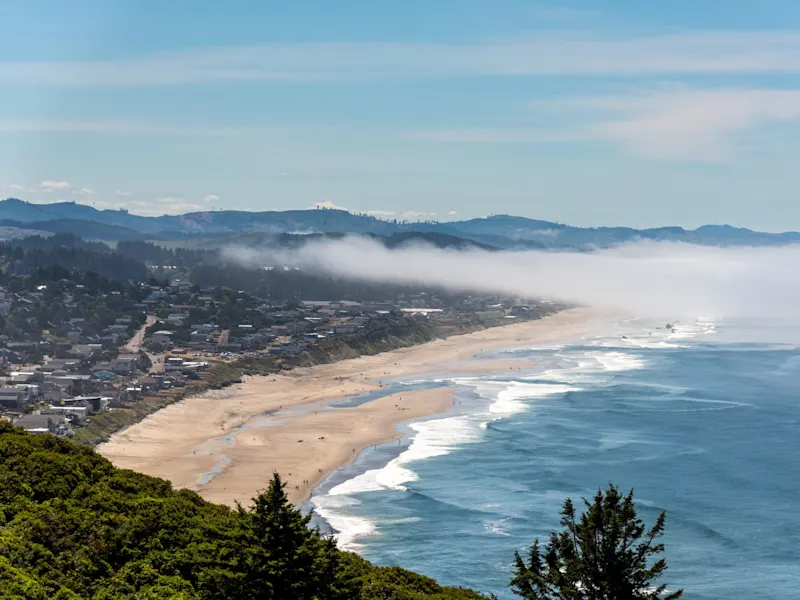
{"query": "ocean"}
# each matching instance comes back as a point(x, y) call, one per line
point(702, 419)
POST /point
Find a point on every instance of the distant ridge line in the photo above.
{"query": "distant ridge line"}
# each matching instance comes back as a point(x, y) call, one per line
point(496, 231)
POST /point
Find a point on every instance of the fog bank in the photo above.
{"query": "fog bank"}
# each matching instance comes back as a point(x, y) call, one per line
point(647, 278)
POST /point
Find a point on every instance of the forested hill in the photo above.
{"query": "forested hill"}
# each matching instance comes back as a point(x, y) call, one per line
point(74, 527)
point(501, 231)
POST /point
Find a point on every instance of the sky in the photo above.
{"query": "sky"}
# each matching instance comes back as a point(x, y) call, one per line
point(620, 112)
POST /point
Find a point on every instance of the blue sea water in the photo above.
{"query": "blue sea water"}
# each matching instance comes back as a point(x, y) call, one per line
point(703, 422)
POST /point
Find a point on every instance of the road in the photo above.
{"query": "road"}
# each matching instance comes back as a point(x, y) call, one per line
point(135, 343)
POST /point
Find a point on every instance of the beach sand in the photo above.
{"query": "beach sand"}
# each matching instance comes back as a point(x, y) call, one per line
point(233, 434)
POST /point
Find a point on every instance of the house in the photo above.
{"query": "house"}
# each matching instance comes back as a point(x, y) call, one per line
point(152, 384)
point(12, 399)
point(178, 365)
point(52, 393)
point(76, 413)
point(86, 350)
point(124, 364)
point(62, 364)
point(162, 338)
point(95, 404)
point(44, 424)
point(198, 337)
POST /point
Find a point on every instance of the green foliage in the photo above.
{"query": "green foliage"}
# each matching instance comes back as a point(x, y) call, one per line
point(73, 527)
point(603, 554)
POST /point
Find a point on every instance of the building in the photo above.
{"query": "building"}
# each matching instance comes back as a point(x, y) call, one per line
point(75, 413)
point(12, 399)
point(124, 364)
point(44, 424)
point(162, 338)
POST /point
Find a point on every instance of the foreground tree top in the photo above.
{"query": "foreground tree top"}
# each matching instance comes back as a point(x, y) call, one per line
point(605, 554)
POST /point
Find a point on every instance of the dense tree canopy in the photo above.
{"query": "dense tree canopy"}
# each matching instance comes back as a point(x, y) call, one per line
point(73, 527)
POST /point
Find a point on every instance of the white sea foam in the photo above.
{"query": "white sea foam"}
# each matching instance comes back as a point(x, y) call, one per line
point(433, 438)
point(618, 361)
point(439, 437)
point(348, 527)
point(496, 527)
point(511, 399)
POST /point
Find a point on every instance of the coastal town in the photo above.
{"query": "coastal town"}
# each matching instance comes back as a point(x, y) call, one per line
point(133, 350)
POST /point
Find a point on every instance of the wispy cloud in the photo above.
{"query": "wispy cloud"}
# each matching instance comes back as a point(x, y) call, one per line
point(704, 125)
point(167, 205)
point(15, 187)
point(323, 203)
point(122, 193)
point(667, 124)
point(544, 54)
point(428, 215)
point(83, 192)
point(210, 198)
point(55, 185)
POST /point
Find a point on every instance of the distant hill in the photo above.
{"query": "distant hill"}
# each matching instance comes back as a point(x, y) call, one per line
point(88, 230)
point(295, 240)
point(498, 231)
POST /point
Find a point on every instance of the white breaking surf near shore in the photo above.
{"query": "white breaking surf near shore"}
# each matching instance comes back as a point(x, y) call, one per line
point(502, 398)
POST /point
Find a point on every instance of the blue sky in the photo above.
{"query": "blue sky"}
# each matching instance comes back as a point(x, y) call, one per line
point(592, 113)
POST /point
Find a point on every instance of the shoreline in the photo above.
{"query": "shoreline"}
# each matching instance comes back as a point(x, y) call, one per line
point(225, 444)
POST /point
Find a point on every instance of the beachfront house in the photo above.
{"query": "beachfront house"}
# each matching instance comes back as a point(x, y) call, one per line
point(44, 424)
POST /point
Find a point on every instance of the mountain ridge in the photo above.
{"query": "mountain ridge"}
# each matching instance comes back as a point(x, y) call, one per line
point(499, 231)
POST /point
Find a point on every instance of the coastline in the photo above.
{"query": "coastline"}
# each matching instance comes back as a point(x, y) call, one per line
point(225, 444)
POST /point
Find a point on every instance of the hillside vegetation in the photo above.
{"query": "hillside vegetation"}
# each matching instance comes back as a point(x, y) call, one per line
point(74, 527)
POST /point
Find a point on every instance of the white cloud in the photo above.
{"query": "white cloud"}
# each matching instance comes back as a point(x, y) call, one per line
point(703, 125)
point(168, 205)
point(380, 213)
point(55, 185)
point(122, 193)
point(20, 188)
point(327, 204)
point(210, 198)
point(84, 192)
point(418, 215)
point(766, 51)
point(681, 124)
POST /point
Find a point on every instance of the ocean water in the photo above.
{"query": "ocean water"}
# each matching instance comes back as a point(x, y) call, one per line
point(703, 422)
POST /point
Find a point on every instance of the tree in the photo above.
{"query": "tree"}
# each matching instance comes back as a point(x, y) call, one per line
point(603, 555)
point(281, 557)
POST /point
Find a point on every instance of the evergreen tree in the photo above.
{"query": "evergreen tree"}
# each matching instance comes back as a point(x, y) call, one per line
point(283, 558)
point(603, 555)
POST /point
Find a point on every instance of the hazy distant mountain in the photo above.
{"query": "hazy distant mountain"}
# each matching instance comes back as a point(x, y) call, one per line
point(88, 230)
point(499, 231)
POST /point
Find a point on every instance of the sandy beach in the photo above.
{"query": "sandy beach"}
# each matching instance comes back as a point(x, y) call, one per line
point(226, 444)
